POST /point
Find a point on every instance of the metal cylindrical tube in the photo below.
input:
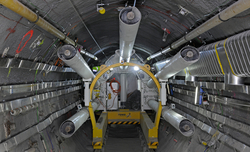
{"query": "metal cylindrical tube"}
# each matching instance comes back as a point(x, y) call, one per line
point(71, 125)
point(123, 87)
point(139, 85)
point(129, 21)
point(82, 51)
point(25, 12)
point(223, 16)
point(229, 78)
point(69, 55)
point(153, 104)
point(160, 64)
point(184, 58)
point(95, 104)
point(182, 124)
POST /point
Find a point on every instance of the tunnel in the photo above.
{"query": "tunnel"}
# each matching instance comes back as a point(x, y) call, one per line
point(125, 76)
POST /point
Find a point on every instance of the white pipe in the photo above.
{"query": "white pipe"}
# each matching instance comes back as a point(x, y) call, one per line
point(182, 124)
point(71, 125)
point(84, 52)
point(187, 56)
point(129, 21)
point(123, 87)
point(231, 11)
point(69, 55)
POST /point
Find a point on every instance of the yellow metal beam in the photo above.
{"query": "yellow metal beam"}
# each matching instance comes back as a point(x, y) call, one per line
point(124, 115)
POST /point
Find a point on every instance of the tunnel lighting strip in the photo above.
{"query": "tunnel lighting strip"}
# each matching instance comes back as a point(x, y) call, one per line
point(214, 85)
point(21, 88)
point(21, 137)
point(25, 64)
point(216, 99)
point(216, 117)
point(221, 137)
point(11, 105)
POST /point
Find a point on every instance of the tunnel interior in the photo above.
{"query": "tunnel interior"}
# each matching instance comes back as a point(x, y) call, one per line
point(124, 76)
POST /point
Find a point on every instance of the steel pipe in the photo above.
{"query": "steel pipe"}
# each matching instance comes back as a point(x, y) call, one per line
point(71, 125)
point(129, 21)
point(229, 78)
point(123, 88)
point(231, 11)
point(84, 52)
point(182, 124)
point(25, 12)
point(187, 56)
point(73, 58)
point(69, 55)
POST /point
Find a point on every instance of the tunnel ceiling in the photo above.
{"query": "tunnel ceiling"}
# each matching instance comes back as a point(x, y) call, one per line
point(157, 15)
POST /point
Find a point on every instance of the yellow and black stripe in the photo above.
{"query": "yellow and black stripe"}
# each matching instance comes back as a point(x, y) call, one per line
point(154, 143)
point(124, 122)
point(97, 143)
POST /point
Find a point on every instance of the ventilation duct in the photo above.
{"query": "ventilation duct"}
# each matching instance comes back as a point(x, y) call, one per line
point(230, 57)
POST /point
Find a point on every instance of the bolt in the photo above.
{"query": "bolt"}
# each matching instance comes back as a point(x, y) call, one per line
point(68, 129)
point(186, 127)
point(190, 54)
point(67, 52)
point(131, 15)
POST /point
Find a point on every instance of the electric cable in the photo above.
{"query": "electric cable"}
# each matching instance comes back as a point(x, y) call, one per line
point(87, 29)
point(115, 91)
point(213, 11)
point(113, 102)
point(166, 15)
point(50, 139)
point(41, 132)
point(49, 49)
point(101, 102)
point(206, 149)
point(46, 15)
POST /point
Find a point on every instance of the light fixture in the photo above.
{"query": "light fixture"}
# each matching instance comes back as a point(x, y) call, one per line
point(183, 11)
point(111, 69)
point(136, 68)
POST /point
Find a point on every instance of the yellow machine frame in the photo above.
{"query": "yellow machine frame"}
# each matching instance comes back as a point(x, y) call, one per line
point(125, 116)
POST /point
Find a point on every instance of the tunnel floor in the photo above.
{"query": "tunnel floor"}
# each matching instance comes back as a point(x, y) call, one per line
point(123, 138)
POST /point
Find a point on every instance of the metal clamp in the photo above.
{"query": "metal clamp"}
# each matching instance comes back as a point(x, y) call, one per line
point(37, 18)
point(222, 19)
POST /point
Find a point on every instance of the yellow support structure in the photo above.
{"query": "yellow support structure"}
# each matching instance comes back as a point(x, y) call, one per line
point(125, 116)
